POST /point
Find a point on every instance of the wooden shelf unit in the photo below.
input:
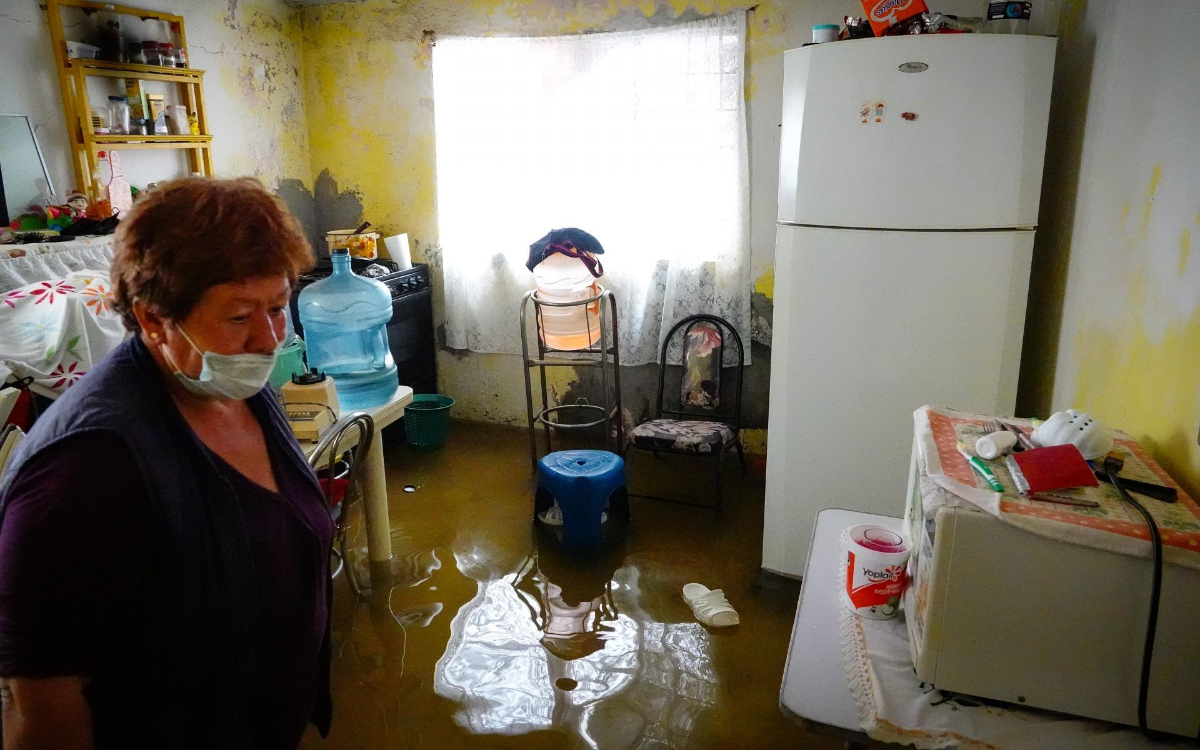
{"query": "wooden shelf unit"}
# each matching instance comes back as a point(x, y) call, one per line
point(105, 69)
point(192, 142)
point(86, 144)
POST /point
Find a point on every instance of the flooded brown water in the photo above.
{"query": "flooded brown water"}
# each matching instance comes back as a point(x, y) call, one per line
point(491, 637)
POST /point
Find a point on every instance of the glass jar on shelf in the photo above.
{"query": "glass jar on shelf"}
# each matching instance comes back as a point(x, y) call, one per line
point(108, 35)
point(181, 58)
point(99, 121)
point(135, 54)
point(118, 111)
point(151, 51)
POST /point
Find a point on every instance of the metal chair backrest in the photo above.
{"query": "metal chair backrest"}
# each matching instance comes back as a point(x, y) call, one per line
point(701, 356)
point(329, 448)
point(705, 338)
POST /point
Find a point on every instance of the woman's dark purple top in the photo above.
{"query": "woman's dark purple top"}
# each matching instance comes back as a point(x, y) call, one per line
point(77, 546)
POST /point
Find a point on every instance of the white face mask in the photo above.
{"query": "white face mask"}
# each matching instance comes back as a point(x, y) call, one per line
point(227, 376)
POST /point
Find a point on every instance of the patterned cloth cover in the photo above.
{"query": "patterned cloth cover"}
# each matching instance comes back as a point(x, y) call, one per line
point(692, 436)
point(702, 347)
point(948, 480)
point(54, 331)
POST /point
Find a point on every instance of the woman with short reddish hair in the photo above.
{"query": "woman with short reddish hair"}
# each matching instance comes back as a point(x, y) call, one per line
point(164, 545)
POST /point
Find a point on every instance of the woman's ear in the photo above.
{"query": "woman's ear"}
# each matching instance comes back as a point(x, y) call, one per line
point(151, 323)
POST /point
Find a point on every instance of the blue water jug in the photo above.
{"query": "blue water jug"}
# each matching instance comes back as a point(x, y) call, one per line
point(345, 331)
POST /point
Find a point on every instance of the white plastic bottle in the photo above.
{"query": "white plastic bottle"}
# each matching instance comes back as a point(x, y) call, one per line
point(561, 278)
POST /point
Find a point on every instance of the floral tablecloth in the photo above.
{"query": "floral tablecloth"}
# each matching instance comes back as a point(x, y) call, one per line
point(54, 331)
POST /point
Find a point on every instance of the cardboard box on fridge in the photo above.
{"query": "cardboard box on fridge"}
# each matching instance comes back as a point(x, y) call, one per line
point(883, 14)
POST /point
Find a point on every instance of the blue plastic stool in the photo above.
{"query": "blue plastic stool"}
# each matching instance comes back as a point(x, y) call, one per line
point(584, 484)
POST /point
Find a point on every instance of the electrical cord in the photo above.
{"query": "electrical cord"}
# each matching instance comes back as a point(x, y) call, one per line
point(1113, 465)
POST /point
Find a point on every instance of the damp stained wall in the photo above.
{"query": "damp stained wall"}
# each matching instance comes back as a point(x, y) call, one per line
point(332, 105)
point(251, 52)
point(370, 109)
point(1114, 309)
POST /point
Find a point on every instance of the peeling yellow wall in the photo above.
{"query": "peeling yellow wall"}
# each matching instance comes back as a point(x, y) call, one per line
point(1129, 340)
point(369, 96)
point(765, 284)
point(253, 85)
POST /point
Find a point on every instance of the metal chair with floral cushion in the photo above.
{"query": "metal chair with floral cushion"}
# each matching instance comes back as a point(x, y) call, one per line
point(697, 425)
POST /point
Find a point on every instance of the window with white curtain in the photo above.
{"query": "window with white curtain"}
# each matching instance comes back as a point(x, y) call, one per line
point(637, 137)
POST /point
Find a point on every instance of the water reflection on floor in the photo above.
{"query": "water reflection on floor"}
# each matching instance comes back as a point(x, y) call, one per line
point(491, 637)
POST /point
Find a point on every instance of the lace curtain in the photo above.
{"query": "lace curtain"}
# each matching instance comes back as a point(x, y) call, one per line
point(637, 137)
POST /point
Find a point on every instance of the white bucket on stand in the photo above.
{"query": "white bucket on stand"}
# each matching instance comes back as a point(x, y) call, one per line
point(874, 563)
point(561, 278)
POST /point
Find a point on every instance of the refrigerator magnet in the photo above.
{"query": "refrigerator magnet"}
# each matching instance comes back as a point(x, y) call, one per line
point(879, 108)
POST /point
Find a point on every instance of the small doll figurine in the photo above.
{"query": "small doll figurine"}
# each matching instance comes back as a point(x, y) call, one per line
point(78, 203)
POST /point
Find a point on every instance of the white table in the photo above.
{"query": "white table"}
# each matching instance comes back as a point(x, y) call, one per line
point(375, 507)
point(815, 691)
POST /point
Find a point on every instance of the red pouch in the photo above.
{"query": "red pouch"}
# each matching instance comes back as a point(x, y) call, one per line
point(24, 411)
point(1055, 468)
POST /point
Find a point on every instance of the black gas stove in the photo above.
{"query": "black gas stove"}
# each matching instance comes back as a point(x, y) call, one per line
point(399, 283)
point(410, 331)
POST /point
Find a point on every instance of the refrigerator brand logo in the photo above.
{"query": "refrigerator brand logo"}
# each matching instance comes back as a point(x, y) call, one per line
point(887, 8)
point(914, 67)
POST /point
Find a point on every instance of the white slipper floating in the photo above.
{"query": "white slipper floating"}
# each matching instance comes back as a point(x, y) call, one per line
point(710, 606)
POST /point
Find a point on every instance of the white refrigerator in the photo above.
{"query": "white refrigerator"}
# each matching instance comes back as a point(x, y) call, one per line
point(909, 179)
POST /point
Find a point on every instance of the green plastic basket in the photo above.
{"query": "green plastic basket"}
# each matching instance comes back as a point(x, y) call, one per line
point(427, 420)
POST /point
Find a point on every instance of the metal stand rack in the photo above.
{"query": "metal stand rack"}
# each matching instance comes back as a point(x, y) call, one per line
point(602, 354)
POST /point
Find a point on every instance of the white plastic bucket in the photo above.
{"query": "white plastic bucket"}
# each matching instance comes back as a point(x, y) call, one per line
point(561, 278)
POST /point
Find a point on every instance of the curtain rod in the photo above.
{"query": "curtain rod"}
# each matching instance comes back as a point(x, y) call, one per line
point(430, 36)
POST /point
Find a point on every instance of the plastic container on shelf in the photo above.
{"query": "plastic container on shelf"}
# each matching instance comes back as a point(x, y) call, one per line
point(81, 51)
point(108, 34)
point(151, 52)
point(181, 58)
point(177, 119)
point(345, 330)
point(563, 279)
point(136, 54)
point(824, 33)
point(118, 112)
point(100, 121)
